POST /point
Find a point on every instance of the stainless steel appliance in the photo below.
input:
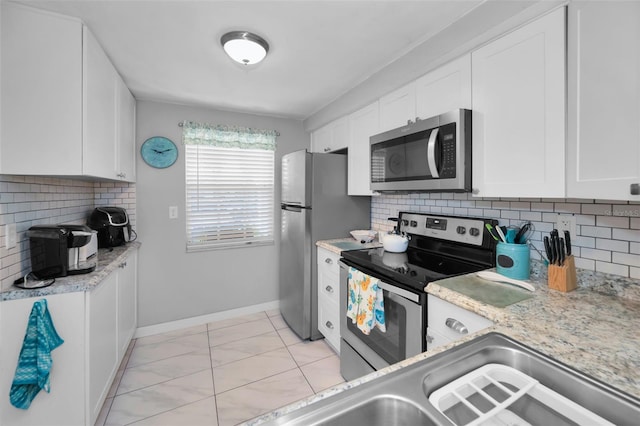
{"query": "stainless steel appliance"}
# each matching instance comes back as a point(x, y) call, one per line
point(425, 155)
point(439, 247)
point(314, 206)
point(55, 250)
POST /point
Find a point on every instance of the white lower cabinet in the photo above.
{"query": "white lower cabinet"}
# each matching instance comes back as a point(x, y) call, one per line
point(329, 297)
point(96, 327)
point(64, 405)
point(127, 302)
point(102, 336)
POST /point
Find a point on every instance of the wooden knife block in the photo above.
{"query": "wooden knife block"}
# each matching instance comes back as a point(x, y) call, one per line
point(563, 278)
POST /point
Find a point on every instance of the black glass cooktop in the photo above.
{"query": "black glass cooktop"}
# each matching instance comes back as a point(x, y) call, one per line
point(414, 268)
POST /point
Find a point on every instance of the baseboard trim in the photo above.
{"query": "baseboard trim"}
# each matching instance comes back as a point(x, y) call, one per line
point(203, 319)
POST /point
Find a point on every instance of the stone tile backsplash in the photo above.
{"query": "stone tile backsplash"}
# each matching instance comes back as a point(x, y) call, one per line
point(607, 232)
point(30, 200)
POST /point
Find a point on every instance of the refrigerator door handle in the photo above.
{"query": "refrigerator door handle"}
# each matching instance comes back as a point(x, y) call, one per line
point(292, 208)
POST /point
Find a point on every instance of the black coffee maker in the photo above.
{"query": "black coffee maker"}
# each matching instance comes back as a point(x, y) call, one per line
point(52, 248)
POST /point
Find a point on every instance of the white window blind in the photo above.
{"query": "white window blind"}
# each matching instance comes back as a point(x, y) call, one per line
point(229, 186)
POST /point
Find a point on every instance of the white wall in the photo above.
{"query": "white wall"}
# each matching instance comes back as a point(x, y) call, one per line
point(174, 284)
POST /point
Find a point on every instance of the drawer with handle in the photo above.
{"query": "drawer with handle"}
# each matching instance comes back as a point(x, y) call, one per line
point(453, 322)
point(328, 261)
point(329, 322)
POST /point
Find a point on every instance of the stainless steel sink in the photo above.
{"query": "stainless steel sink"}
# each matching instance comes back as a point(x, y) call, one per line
point(381, 411)
point(402, 397)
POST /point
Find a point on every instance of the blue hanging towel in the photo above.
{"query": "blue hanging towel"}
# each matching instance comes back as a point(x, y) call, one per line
point(34, 362)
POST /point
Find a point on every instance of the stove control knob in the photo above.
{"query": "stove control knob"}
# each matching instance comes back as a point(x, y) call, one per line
point(474, 232)
point(405, 222)
point(461, 230)
point(413, 224)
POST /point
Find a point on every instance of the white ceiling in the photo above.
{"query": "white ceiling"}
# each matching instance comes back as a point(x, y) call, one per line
point(170, 51)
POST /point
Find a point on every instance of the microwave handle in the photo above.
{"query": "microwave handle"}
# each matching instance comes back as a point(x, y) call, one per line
point(431, 153)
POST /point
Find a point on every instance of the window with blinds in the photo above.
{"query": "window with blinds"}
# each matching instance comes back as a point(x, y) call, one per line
point(229, 186)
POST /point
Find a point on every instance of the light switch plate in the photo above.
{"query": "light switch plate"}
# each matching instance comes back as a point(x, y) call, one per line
point(10, 236)
point(173, 212)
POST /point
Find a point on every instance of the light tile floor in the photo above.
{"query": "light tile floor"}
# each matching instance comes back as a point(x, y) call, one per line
point(222, 373)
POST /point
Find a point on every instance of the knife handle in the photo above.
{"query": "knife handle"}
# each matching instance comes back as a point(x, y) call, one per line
point(547, 249)
point(567, 241)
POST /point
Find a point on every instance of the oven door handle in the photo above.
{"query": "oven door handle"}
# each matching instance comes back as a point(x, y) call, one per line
point(389, 287)
point(400, 292)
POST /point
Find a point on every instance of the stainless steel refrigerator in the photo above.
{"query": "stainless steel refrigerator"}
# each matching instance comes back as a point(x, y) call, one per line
point(314, 206)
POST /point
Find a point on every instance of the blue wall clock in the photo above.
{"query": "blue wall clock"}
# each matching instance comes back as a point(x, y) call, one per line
point(159, 152)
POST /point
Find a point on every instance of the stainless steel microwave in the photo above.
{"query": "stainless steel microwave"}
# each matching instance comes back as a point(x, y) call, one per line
point(424, 156)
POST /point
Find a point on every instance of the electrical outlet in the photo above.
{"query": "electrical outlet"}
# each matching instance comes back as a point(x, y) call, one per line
point(10, 236)
point(566, 222)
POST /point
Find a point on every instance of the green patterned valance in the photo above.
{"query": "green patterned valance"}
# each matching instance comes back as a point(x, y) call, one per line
point(228, 136)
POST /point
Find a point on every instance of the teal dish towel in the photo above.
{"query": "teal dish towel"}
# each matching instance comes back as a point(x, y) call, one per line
point(34, 362)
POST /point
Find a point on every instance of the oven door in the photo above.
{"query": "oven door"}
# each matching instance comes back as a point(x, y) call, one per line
point(404, 318)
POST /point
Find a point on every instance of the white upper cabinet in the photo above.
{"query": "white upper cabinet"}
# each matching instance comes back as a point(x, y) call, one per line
point(61, 100)
point(332, 137)
point(126, 134)
point(441, 90)
point(363, 124)
point(99, 99)
point(398, 107)
point(518, 93)
point(604, 100)
point(41, 92)
point(445, 89)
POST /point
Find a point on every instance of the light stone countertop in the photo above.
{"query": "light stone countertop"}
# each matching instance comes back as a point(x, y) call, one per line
point(329, 244)
point(108, 261)
point(594, 329)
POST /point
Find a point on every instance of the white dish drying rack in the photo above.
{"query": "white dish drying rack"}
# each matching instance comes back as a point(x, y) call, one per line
point(495, 394)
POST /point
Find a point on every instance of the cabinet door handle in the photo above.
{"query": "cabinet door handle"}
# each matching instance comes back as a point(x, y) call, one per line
point(329, 325)
point(122, 265)
point(456, 326)
point(328, 260)
point(329, 289)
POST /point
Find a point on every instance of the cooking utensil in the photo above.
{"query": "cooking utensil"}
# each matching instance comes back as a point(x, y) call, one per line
point(562, 253)
point(490, 229)
point(493, 276)
point(567, 240)
point(521, 236)
point(501, 234)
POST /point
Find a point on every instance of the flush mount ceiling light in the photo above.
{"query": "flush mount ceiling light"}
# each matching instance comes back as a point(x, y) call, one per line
point(244, 47)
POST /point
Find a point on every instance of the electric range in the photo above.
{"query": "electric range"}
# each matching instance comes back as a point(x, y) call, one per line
point(439, 247)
